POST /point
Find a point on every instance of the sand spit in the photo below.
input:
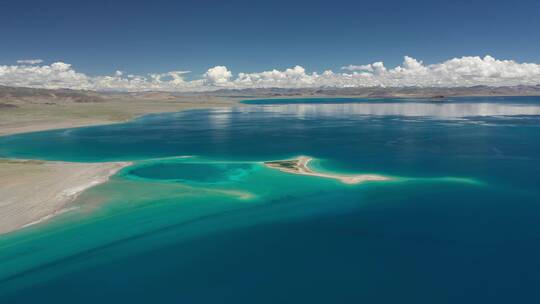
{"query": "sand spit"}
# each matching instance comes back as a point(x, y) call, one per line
point(299, 165)
point(33, 191)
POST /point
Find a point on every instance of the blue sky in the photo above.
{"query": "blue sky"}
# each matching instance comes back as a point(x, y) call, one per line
point(99, 37)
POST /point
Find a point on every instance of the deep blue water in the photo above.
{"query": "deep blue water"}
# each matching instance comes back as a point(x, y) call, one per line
point(460, 227)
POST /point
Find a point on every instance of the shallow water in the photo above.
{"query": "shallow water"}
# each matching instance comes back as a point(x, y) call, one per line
point(457, 224)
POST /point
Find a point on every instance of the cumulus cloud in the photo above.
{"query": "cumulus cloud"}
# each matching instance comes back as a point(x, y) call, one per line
point(56, 75)
point(293, 77)
point(363, 67)
point(376, 67)
point(29, 61)
point(218, 75)
point(463, 71)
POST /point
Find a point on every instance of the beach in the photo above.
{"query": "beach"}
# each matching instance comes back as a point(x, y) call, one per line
point(34, 191)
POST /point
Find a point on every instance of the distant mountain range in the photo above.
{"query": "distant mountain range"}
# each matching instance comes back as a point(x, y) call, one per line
point(382, 92)
point(19, 94)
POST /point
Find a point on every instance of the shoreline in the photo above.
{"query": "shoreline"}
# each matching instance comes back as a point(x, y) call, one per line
point(36, 191)
point(21, 127)
point(300, 165)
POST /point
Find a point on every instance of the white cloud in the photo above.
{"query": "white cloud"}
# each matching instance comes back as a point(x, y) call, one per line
point(376, 67)
point(218, 75)
point(364, 67)
point(56, 75)
point(293, 77)
point(463, 71)
point(29, 61)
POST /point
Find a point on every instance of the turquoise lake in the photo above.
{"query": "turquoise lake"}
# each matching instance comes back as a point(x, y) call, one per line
point(198, 218)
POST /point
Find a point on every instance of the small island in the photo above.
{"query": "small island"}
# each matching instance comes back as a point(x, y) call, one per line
point(299, 165)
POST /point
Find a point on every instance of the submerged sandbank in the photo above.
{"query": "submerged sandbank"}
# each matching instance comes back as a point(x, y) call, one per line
point(299, 165)
point(33, 191)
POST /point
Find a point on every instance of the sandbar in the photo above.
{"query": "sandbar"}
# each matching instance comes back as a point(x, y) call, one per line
point(300, 165)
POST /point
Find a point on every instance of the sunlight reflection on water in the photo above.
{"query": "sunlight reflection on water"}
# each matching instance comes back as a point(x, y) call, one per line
point(447, 110)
